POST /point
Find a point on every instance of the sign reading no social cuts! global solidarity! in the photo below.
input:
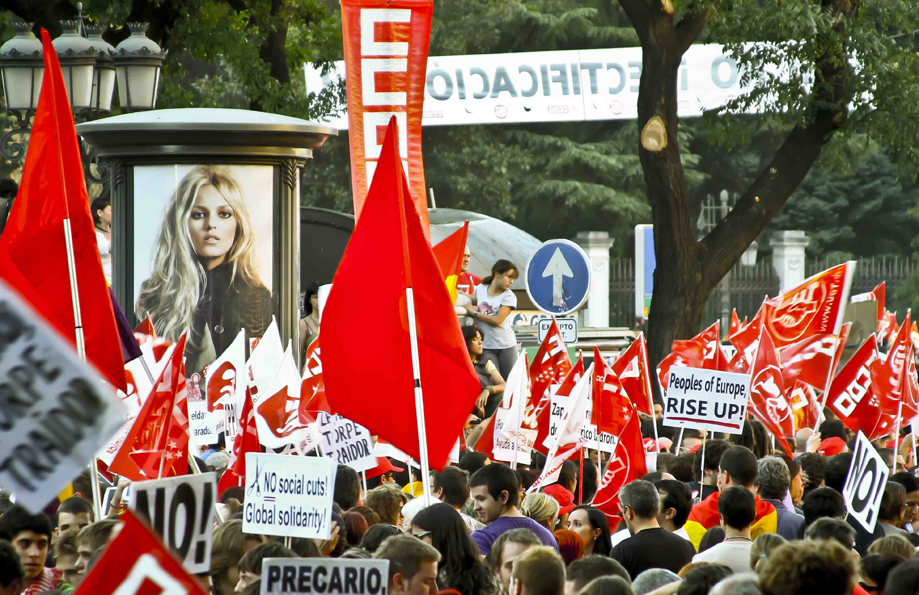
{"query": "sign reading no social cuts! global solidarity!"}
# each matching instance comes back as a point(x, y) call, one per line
point(289, 496)
point(181, 511)
point(324, 576)
point(865, 483)
point(346, 442)
point(706, 400)
point(55, 413)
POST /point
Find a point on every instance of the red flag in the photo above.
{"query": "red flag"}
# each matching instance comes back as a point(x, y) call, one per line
point(814, 307)
point(852, 397)
point(809, 360)
point(767, 393)
point(312, 389)
point(735, 323)
point(246, 441)
point(137, 562)
point(449, 254)
point(33, 250)
point(890, 378)
point(627, 464)
point(146, 327)
point(550, 366)
point(702, 351)
point(634, 373)
point(154, 434)
point(804, 406)
point(610, 407)
point(381, 397)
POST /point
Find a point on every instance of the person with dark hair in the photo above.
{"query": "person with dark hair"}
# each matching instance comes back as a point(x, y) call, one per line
point(101, 210)
point(486, 368)
point(833, 428)
point(509, 546)
point(676, 504)
point(903, 579)
point(825, 528)
point(583, 571)
point(737, 468)
point(66, 556)
point(460, 567)
point(495, 491)
point(73, 512)
point(376, 535)
point(812, 469)
point(11, 575)
point(893, 503)
point(737, 508)
point(539, 571)
point(681, 467)
point(808, 568)
point(309, 324)
point(229, 546)
point(705, 481)
point(473, 460)
point(90, 539)
point(493, 301)
point(836, 470)
point(452, 486)
point(593, 527)
point(30, 535)
point(250, 565)
point(355, 526)
point(822, 503)
point(796, 480)
point(874, 570)
point(911, 500)
point(590, 483)
point(348, 490)
point(773, 481)
point(701, 579)
point(412, 565)
point(650, 546)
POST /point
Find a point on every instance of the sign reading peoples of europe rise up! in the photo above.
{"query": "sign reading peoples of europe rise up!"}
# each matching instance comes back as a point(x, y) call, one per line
point(706, 400)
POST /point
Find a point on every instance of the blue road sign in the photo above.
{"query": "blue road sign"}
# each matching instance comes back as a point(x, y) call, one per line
point(558, 277)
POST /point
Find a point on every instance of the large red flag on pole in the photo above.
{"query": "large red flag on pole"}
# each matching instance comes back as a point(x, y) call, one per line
point(449, 254)
point(419, 364)
point(550, 366)
point(48, 248)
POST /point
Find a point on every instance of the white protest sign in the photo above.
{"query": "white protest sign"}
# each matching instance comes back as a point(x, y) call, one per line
point(706, 400)
point(54, 413)
point(346, 442)
point(324, 575)
point(288, 496)
point(504, 440)
point(865, 483)
point(203, 425)
point(558, 406)
point(181, 511)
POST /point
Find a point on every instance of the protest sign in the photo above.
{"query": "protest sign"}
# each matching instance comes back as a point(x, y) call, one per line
point(706, 400)
point(346, 442)
point(181, 511)
point(504, 440)
point(325, 575)
point(204, 424)
point(289, 496)
point(558, 405)
point(55, 414)
point(865, 483)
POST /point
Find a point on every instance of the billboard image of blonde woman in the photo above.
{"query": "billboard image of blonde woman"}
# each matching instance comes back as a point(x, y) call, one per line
point(205, 272)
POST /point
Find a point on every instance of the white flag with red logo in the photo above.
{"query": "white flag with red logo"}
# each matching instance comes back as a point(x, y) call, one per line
point(277, 415)
point(550, 366)
point(815, 307)
point(264, 362)
point(634, 374)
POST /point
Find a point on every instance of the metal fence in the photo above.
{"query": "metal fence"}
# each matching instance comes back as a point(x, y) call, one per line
point(749, 285)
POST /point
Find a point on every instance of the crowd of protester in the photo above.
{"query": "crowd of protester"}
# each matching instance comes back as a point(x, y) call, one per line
point(741, 519)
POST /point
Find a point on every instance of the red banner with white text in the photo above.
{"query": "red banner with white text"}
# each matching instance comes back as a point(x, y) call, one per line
point(386, 56)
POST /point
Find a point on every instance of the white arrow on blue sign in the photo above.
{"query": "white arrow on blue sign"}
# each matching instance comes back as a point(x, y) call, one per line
point(558, 277)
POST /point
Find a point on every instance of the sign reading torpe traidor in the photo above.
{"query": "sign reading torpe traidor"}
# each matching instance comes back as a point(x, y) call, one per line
point(324, 576)
point(289, 496)
point(706, 400)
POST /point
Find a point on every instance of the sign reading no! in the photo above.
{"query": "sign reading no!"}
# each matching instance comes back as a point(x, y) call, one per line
point(706, 400)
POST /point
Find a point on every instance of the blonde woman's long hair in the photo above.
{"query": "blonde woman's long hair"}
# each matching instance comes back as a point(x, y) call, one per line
point(170, 296)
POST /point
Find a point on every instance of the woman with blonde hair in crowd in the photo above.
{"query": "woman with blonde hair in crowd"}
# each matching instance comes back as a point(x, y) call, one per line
point(205, 276)
point(542, 508)
point(763, 546)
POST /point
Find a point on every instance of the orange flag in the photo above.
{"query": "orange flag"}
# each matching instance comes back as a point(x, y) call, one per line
point(389, 252)
point(33, 249)
point(449, 255)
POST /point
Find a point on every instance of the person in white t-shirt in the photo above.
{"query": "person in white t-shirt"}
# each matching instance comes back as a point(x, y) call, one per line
point(493, 302)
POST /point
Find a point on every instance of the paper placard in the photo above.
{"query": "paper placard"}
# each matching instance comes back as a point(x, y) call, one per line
point(504, 443)
point(181, 511)
point(557, 410)
point(865, 483)
point(706, 400)
point(346, 442)
point(289, 496)
point(55, 413)
point(324, 575)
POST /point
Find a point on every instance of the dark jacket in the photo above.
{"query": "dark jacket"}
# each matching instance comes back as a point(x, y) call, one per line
point(788, 522)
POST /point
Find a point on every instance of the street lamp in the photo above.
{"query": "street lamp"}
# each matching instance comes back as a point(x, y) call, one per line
point(748, 258)
point(21, 69)
point(78, 60)
point(103, 73)
point(138, 62)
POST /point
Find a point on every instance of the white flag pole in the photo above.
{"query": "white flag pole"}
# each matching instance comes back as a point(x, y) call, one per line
point(419, 397)
point(896, 435)
point(521, 399)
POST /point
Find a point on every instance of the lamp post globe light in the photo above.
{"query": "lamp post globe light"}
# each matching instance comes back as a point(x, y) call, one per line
point(21, 71)
point(138, 62)
point(103, 73)
point(78, 60)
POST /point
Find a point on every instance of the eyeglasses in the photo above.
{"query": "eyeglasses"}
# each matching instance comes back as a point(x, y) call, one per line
point(869, 588)
point(422, 535)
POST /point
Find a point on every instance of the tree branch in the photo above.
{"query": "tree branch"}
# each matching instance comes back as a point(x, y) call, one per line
point(639, 12)
point(691, 26)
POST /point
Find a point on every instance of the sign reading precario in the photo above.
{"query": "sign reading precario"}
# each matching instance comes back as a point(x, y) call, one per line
point(706, 400)
point(289, 496)
point(324, 576)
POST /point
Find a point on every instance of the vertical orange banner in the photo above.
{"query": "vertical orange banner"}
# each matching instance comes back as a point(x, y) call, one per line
point(386, 56)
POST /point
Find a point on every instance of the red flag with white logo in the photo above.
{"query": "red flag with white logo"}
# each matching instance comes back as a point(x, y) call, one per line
point(767, 393)
point(137, 562)
point(890, 378)
point(610, 408)
point(312, 389)
point(852, 397)
point(627, 464)
point(702, 351)
point(634, 373)
point(809, 360)
point(246, 441)
point(550, 366)
point(814, 307)
point(735, 323)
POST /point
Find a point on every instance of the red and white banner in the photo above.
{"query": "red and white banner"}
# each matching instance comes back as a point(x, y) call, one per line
point(386, 56)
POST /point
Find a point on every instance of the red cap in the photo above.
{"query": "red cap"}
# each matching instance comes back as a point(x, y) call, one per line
point(831, 447)
point(383, 466)
point(561, 494)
